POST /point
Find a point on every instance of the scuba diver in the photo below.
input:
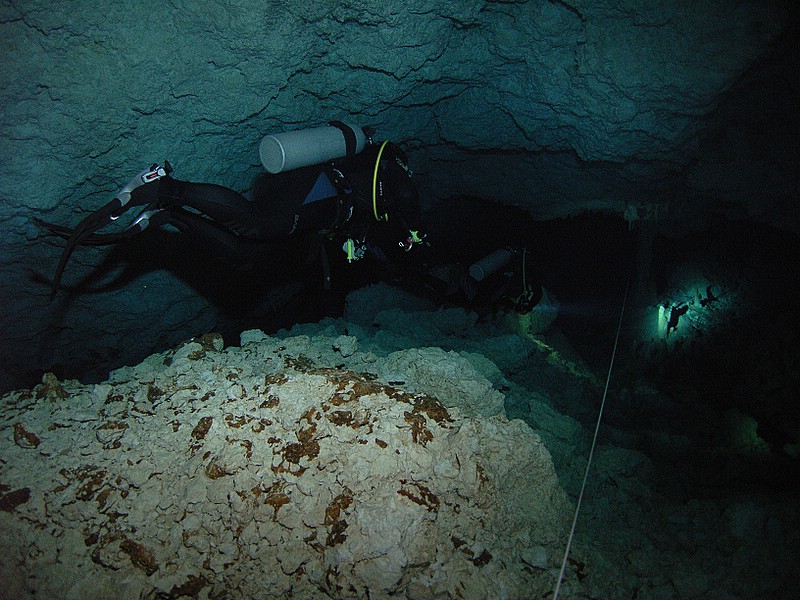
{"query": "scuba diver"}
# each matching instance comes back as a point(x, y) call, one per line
point(501, 280)
point(333, 181)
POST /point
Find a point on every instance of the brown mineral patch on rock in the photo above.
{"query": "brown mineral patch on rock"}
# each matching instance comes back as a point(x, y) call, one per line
point(24, 438)
point(419, 494)
point(51, 388)
point(141, 557)
point(422, 403)
point(112, 398)
point(112, 441)
point(248, 448)
point(432, 407)
point(276, 501)
point(261, 425)
point(236, 422)
point(311, 415)
point(275, 379)
point(14, 398)
point(334, 522)
point(482, 559)
point(274, 495)
point(347, 418)
point(367, 387)
point(350, 386)
point(306, 447)
point(300, 363)
point(214, 471)
point(11, 500)
point(293, 453)
point(191, 587)
point(340, 398)
point(102, 498)
point(341, 417)
point(419, 432)
point(211, 342)
point(113, 425)
point(201, 429)
point(91, 538)
point(272, 401)
point(90, 477)
point(154, 393)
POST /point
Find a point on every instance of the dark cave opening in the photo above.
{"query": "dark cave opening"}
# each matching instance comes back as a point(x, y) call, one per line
point(733, 360)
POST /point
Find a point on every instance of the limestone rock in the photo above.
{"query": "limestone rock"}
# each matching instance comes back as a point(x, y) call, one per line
point(447, 375)
point(254, 472)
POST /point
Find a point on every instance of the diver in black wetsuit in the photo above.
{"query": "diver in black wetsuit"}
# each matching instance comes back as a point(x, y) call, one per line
point(340, 199)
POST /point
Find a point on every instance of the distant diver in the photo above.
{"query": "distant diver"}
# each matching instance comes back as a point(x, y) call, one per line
point(500, 279)
point(331, 180)
point(710, 297)
point(674, 316)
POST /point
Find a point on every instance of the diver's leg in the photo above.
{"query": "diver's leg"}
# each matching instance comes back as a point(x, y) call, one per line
point(204, 234)
point(226, 207)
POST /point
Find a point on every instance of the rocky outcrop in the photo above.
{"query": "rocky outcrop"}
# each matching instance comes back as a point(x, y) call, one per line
point(254, 472)
point(320, 462)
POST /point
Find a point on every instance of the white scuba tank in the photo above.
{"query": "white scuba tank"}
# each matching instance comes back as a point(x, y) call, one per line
point(490, 264)
point(294, 149)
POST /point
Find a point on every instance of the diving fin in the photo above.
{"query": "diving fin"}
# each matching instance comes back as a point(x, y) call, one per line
point(82, 233)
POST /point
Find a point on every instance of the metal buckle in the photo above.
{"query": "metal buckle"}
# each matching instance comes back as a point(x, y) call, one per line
point(156, 172)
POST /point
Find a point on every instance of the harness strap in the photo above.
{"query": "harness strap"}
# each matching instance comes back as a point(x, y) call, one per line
point(375, 185)
point(326, 266)
point(344, 199)
point(350, 142)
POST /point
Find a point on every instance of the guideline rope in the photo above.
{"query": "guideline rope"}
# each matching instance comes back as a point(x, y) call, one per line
point(591, 452)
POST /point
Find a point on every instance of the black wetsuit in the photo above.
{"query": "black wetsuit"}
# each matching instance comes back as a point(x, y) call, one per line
point(337, 198)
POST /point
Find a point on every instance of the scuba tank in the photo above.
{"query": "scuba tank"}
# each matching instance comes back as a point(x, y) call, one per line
point(491, 263)
point(301, 148)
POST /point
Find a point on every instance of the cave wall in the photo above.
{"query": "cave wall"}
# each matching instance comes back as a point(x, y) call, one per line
point(556, 106)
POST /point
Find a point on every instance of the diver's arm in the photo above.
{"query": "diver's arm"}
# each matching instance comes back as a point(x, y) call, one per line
point(405, 204)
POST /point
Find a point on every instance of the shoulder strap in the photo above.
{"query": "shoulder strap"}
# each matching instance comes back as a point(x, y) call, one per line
point(350, 142)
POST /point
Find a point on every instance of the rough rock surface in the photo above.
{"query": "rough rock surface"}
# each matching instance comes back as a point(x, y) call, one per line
point(447, 375)
point(682, 502)
point(252, 472)
point(559, 107)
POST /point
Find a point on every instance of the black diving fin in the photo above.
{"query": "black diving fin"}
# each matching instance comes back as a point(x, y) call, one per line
point(83, 233)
